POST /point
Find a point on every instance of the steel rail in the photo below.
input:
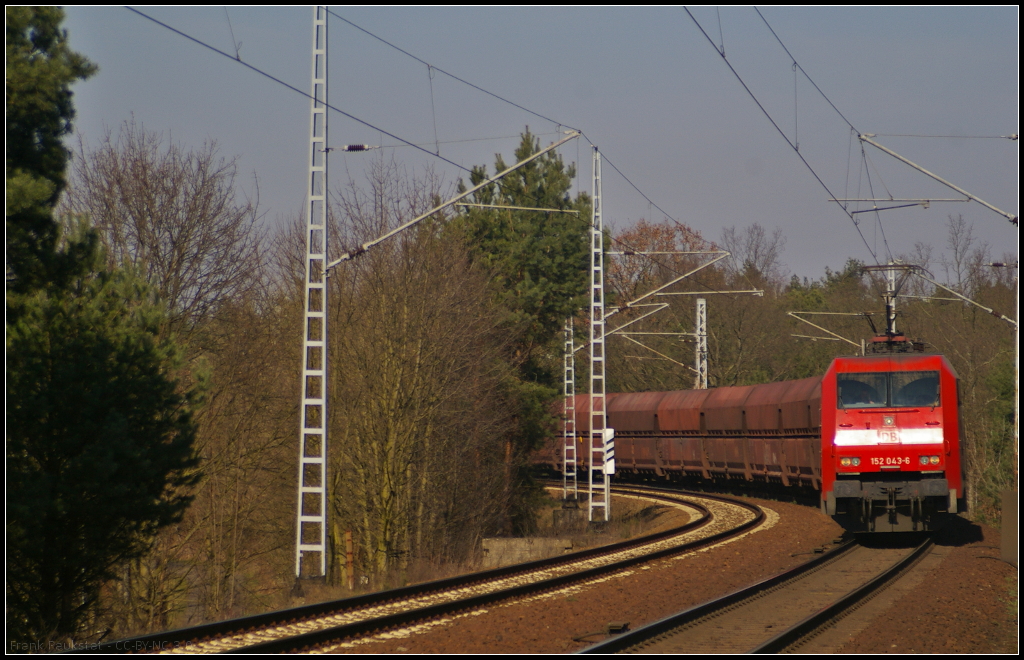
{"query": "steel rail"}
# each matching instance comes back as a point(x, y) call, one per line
point(308, 641)
point(181, 637)
point(791, 636)
point(809, 626)
point(633, 638)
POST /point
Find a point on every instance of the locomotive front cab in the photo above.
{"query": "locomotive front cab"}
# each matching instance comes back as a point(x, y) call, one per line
point(891, 456)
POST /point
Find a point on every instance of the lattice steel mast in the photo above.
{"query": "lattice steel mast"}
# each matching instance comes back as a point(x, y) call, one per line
point(602, 453)
point(701, 357)
point(311, 527)
point(570, 487)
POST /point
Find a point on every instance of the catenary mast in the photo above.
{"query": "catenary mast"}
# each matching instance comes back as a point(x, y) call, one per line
point(311, 527)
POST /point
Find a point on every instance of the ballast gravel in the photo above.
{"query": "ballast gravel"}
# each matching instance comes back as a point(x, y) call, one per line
point(965, 605)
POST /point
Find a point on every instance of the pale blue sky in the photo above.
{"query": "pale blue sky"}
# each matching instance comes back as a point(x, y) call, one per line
point(642, 83)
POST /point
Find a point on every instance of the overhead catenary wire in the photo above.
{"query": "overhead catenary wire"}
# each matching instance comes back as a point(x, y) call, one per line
point(870, 163)
point(797, 65)
point(849, 157)
point(1012, 136)
point(866, 137)
point(433, 113)
point(295, 89)
point(237, 45)
point(710, 244)
point(505, 100)
point(779, 129)
point(721, 36)
point(630, 251)
point(482, 139)
point(650, 201)
point(536, 114)
point(450, 75)
point(871, 189)
point(430, 69)
point(558, 124)
point(796, 112)
point(657, 262)
point(634, 186)
point(404, 142)
point(408, 143)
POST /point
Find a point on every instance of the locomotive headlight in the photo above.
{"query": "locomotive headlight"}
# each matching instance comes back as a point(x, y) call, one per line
point(934, 460)
point(856, 461)
point(924, 460)
point(845, 462)
point(888, 420)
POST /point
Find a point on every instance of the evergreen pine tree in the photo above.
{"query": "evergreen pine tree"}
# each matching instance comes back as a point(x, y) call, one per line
point(40, 71)
point(99, 446)
point(539, 263)
point(99, 437)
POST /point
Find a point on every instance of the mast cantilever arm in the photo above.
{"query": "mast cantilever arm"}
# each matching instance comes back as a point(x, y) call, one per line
point(966, 299)
point(814, 325)
point(866, 137)
point(633, 303)
point(397, 230)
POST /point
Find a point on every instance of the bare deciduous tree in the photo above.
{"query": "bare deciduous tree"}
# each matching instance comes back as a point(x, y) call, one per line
point(418, 417)
point(963, 263)
point(173, 214)
point(755, 253)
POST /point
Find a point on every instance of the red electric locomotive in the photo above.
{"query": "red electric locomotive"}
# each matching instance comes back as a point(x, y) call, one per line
point(890, 441)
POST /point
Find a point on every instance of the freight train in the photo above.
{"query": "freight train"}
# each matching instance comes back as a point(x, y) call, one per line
point(878, 435)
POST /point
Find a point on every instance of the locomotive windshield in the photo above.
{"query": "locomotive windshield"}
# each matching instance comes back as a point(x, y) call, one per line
point(898, 389)
point(915, 388)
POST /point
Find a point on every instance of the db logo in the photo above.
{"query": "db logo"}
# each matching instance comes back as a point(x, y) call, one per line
point(888, 436)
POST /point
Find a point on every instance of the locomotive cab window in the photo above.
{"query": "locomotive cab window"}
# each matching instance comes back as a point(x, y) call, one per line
point(899, 389)
point(863, 390)
point(915, 388)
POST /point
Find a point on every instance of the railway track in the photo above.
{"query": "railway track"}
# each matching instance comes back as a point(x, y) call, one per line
point(778, 614)
point(328, 625)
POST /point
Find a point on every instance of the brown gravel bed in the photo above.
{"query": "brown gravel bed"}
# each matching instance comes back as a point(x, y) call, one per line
point(552, 624)
point(966, 605)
